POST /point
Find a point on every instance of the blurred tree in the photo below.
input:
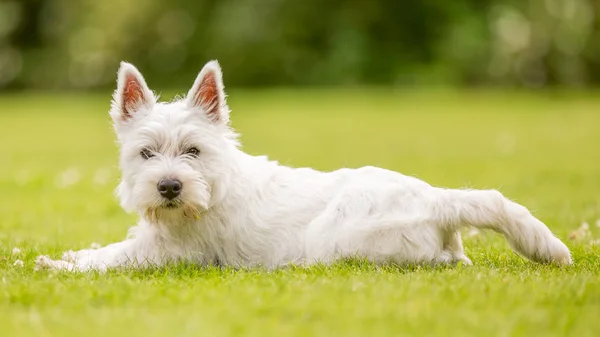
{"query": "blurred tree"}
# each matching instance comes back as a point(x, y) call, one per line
point(78, 44)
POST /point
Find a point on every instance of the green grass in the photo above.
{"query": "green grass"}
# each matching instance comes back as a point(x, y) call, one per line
point(58, 171)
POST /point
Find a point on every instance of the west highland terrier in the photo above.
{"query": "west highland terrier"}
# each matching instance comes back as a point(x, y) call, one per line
point(201, 199)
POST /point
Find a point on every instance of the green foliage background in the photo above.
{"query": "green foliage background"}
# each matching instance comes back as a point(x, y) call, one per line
point(78, 44)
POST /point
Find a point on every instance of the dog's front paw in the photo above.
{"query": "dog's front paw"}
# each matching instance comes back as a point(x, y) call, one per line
point(76, 263)
point(45, 262)
point(69, 256)
point(75, 256)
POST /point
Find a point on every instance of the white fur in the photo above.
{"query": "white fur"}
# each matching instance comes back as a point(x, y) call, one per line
point(240, 210)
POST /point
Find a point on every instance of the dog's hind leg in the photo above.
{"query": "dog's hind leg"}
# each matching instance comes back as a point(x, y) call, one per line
point(489, 209)
point(453, 245)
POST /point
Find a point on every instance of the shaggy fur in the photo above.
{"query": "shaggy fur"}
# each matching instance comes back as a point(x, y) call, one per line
point(239, 210)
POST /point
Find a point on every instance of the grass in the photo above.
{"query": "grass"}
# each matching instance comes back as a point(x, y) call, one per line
point(59, 170)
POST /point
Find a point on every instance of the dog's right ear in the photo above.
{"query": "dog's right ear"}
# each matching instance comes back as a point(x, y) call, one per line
point(131, 95)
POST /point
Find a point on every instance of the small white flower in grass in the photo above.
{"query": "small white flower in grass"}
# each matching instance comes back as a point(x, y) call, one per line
point(22, 177)
point(101, 177)
point(68, 178)
point(34, 318)
point(506, 142)
point(95, 245)
point(357, 286)
point(16, 251)
point(18, 263)
point(580, 233)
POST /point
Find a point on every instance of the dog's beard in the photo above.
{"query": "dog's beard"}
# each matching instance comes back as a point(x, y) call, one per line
point(174, 210)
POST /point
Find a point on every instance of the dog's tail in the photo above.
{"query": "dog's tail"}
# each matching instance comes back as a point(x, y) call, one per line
point(489, 209)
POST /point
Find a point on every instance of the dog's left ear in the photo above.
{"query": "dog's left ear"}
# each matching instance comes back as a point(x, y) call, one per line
point(208, 93)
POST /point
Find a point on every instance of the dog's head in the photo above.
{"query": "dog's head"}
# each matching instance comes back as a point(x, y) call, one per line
point(174, 155)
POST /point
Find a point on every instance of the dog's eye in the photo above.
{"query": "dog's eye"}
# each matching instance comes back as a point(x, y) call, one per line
point(194, 152)
point(146, 154)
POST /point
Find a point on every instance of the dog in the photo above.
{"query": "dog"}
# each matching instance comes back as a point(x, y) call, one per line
point(202, 200)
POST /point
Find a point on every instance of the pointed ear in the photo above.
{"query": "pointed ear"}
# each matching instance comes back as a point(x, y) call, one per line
point(132, 93)
point(208, 93)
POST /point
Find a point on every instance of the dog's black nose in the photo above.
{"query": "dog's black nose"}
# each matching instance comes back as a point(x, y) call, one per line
point(169, 188)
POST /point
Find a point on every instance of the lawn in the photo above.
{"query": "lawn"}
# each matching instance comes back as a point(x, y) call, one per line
point(58, 172)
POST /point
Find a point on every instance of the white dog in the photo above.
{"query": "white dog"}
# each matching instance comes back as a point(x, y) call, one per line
point(203, 200)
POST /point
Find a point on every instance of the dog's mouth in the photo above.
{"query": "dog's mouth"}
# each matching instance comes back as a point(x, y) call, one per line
point(173, 208)
point(172, 205)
